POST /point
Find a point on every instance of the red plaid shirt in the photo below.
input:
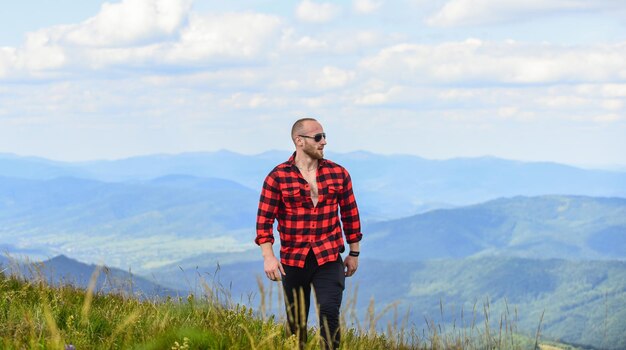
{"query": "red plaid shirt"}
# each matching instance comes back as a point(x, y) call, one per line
point(286, 196)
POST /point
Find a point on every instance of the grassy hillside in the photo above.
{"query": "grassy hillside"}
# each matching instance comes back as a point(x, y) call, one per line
point(38, 316)
point(35, 315)
point(582, 302)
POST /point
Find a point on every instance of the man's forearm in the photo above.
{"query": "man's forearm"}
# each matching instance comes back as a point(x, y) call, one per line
point(266, 249)
point(354, 247)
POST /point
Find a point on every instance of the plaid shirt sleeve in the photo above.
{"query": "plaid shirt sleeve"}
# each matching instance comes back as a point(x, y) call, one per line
point(268, 209)
point(349, 212)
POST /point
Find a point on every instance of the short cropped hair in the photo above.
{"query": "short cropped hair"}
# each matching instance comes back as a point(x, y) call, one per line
point(297, 127)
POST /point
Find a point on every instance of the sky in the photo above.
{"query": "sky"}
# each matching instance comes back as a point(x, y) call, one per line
point(531, 80)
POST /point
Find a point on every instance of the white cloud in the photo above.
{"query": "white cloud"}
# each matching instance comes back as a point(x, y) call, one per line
point(468, 12)
point(378, 92)
point(232, 35)
point(613, 104)
point(120, 32)
point(609, 118)
point(225, 79)
point(334, 42)
point(292, 43)
point(375, 98)
point(604, 90)
point(206, 39)
point(7, 60)
point(249, 101)
point(477, 62)
point(310, 11)
point(309, 44)
point(287, 84)
point(333, 77)
point(563, 101)
point(36, 56)
point(615, 90)
point(129, 22)
point(538, 104)
point(366, 6)
point(101, 41)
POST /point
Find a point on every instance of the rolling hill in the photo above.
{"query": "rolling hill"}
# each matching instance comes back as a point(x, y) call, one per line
point(569, 227)
point(130, 224)
point(62, 270)
point(584, 301)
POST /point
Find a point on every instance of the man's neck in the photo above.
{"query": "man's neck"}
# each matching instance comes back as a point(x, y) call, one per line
point(305, 162)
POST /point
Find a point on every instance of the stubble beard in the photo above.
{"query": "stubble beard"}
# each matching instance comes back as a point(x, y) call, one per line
point(314, 153)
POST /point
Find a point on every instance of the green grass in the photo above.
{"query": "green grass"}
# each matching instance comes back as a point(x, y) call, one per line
point(35, 315)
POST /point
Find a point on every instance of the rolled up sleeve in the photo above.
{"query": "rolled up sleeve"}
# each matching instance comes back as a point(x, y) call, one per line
point(268, 209)
point(350, 212)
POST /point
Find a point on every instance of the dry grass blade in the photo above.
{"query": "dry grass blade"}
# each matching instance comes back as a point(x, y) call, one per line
point(122, 326)
point(261, 287)
point(250, 337)
point(52, 326)
point(89, 294)
point(539, 331)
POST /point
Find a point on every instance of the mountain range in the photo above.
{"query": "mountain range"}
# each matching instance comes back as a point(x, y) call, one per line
point(388, 186)
point(446, 234)
point(128, 224)
point(582, 302)
point(62, 270)
point(566, 227)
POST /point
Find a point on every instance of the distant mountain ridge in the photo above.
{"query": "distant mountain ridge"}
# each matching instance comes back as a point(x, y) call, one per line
point(86, 203)
point(64, 270)
point(387, 186)
point(566, 227)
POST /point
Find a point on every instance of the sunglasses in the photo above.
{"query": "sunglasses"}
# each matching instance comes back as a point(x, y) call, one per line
point(316, 137)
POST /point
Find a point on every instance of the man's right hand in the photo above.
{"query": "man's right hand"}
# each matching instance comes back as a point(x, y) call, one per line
point(273, 268)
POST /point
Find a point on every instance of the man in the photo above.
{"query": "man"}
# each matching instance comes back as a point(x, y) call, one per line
point(306, 194)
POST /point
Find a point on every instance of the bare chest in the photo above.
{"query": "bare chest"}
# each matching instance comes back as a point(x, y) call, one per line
point(311, 179)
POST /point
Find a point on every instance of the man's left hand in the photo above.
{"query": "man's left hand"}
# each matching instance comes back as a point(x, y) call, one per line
point(351, 263)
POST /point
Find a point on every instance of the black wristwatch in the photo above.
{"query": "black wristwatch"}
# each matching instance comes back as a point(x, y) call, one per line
point(353, 253)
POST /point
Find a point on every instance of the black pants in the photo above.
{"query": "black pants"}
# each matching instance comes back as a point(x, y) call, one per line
point(328, 282)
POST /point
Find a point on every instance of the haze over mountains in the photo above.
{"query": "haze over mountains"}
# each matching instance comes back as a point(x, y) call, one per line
point(459, 229)
point(388, 186)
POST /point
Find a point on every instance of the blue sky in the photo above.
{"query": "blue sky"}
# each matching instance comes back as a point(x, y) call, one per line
point(520, 79)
